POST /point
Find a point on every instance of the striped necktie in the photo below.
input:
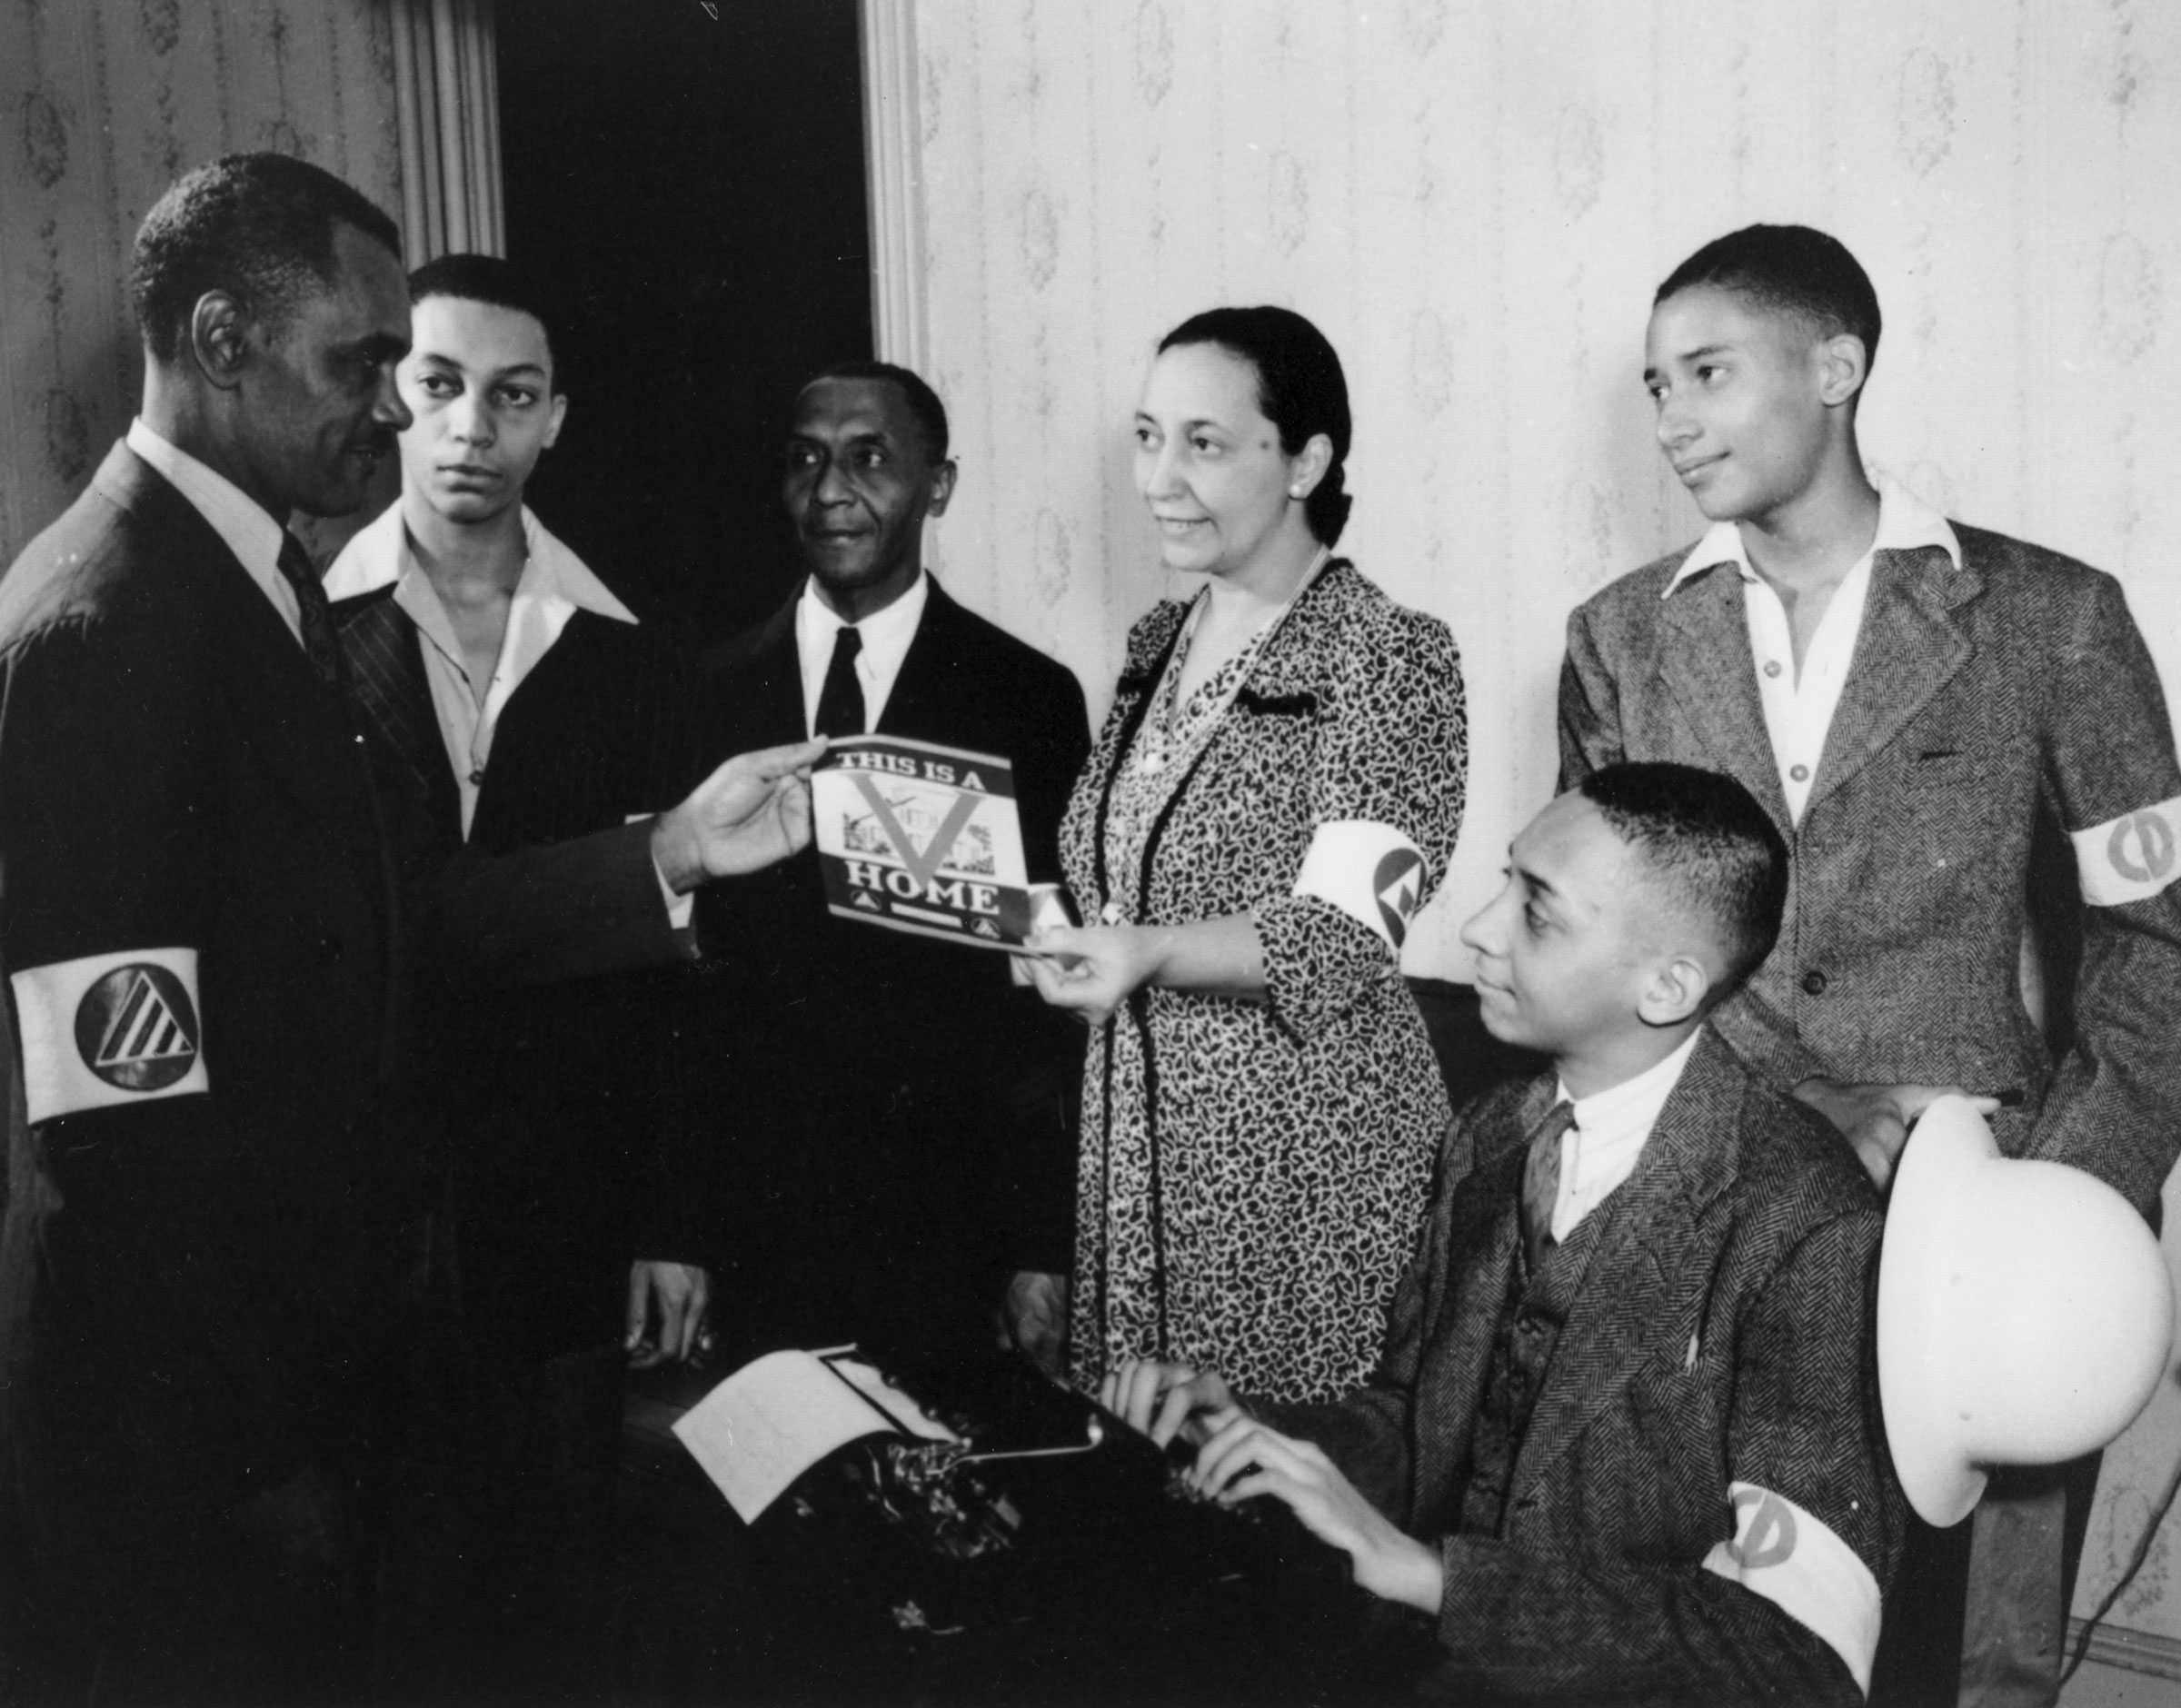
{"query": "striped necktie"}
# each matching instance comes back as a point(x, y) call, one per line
point(321, 645)
point(1541, 1182)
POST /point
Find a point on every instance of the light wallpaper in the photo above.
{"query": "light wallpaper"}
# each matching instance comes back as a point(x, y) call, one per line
point(103, 104)
point(1475, 201)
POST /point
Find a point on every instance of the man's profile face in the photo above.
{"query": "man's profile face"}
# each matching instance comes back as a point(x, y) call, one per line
point(319, 409)
point(478, 382)
point(1562, 952)
point(858, 483)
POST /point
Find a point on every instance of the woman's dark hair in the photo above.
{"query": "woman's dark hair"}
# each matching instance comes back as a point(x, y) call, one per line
point(1300, 388)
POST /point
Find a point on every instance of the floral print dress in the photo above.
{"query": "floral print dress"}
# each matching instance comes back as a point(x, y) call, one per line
point(1252, 1174)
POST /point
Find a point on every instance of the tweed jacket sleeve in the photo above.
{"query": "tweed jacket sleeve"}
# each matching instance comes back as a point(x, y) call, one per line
point(1591, 740)
point(2115, 1105)
point(1668, 1627)
point(1705, 1450)
point(1392, 752)
point(1987, 697)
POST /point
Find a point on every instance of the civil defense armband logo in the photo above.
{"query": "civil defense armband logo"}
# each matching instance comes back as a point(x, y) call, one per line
point(136, 1027)
point(2131, 858)
point(1399, 884)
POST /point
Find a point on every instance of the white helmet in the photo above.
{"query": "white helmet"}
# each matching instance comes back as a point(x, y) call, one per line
point(2025, 1313)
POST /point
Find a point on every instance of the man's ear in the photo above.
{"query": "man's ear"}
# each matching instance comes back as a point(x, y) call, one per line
point(1676, 992)
point(219, 338)
point(942, 488)
point(557, 412)
point(1842, 365)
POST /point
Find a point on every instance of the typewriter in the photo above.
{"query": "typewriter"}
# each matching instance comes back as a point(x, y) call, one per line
point(1017, 1543)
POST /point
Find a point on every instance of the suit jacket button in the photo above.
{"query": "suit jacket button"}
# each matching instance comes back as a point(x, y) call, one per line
point(1814, 982)
point(329, 949)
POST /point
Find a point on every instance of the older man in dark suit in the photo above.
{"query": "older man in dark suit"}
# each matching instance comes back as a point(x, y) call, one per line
point(204, 1216)
point(887, 1120)
point(1623, 1442)
point(210, 1225)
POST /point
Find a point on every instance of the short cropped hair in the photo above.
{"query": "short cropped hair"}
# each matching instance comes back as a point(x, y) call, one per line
point(260, 227)
point(488, 278)
point(1703, 837)
point(1301, 388)
point(923, 400)
point(1788, 270)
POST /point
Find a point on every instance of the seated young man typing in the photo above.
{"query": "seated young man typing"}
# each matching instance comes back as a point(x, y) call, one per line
point(1623, 1442)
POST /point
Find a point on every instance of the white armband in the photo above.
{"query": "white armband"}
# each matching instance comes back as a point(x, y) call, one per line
point(1798, 1562)
point(109, 1028)
point(2131, 858)
point(1371, 871)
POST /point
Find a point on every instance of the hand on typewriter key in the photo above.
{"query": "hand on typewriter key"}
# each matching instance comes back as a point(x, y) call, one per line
point(1163, 1400)
point(1244, 1458)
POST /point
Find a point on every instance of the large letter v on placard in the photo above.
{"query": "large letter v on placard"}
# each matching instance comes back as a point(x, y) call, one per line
point(922, 863)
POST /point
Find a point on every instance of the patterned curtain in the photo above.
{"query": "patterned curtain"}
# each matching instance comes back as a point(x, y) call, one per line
point(447, 89)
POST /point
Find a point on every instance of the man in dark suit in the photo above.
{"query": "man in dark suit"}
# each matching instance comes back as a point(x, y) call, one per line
point(887, 1120)
point(206, 1216)
point(1623, 1442)
point(1917, 703)
point(211, 1229)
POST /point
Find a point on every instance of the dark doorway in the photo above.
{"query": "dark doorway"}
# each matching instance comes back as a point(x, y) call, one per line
point(691, 178)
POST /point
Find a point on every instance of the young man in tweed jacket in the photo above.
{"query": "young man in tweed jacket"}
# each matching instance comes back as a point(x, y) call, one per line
point(1623, 1444)
point(1907, 697)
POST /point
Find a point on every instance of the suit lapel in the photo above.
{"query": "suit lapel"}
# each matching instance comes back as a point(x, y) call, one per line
point(285, 715)
point(923, 692)
point(762, 682)
point(1909, 648)
point(387, 673)
point(1483, 1234)
point(1708, 667)
point(1645, 1282)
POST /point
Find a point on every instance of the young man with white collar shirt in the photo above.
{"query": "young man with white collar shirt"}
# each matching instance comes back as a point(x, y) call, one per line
point(1911, 699)
point(1623, 1444)
point(513, 701)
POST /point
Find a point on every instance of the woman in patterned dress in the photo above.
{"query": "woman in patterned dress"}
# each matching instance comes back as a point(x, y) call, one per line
point(1275, 793)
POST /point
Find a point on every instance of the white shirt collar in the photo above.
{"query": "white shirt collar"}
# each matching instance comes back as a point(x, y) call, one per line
point(886, 635)
point(1905, 523)
point(1612, 1129)
point(253, 534)
point(551, 574)
point(1636, 1101)
point(555, 584)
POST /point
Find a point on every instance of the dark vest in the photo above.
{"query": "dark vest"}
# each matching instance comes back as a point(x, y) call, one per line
point(1530, 1317)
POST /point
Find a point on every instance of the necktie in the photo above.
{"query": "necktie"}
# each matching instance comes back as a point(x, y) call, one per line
point(1541, 1182)
point(840, 700)
point(319, 644)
